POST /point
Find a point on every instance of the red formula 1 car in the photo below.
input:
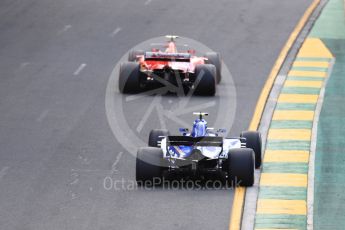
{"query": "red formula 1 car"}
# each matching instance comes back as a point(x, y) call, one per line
point(170, 70)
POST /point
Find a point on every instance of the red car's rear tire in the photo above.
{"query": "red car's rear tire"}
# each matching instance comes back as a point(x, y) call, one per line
point(132, 55)
point(129, 79)
point(214, 59)
point(205, 84)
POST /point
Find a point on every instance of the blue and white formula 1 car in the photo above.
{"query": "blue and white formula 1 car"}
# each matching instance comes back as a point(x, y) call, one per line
point(199, 152)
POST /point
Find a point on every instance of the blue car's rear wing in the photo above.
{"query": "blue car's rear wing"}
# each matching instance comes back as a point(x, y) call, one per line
point(194, 141)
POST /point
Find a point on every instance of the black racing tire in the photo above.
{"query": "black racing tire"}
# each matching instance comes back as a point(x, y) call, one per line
point(215, 59)
point(132, 55)
point(206, 75)
point(149, 166)
point(129, 79)
point(241, 167)
point(154, 136)
point(253, 141)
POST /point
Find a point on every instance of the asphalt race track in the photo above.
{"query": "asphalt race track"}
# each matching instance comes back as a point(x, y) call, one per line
point(56, 145)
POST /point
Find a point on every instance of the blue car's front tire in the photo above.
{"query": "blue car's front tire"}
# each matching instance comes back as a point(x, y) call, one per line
point(157, 135)
point(253, 141)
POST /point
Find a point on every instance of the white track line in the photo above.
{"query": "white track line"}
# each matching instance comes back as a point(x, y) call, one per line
point(113, 166)
point(80, 68)
point(3, 171)
point(65, 28)
point(147, 2)
point(24, 64)
point(42, 115)
point(116, 31)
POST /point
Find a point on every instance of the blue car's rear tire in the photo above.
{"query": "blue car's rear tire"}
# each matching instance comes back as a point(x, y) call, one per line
point(149, 166)
point(241, 167)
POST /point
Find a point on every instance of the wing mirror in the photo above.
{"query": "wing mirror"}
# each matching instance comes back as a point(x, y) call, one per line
point(192, 52)
point(183, 130)
point(221, 131)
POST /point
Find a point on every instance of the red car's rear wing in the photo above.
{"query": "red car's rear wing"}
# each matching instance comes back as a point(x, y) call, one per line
point(161, 56)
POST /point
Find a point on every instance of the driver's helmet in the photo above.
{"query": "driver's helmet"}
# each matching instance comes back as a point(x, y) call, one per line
point(199, 128)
